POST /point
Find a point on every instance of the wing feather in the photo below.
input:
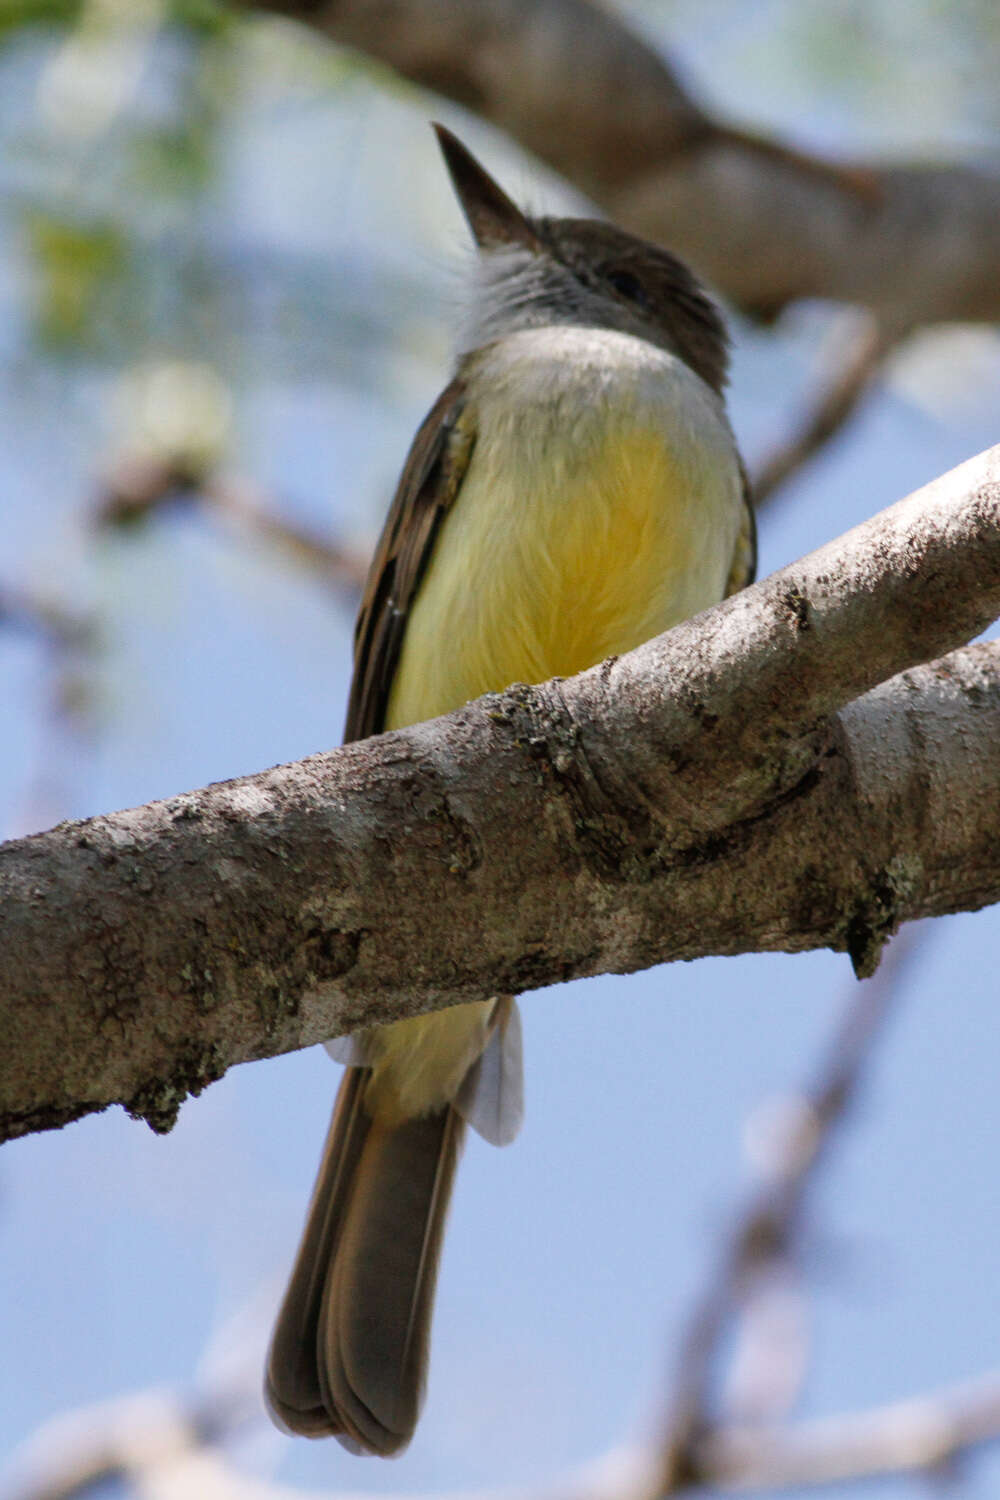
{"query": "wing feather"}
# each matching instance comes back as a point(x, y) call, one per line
point(428, 485)
point(744, 565)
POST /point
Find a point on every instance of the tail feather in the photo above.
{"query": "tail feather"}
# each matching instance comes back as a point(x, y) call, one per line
point(349, 1351)
point(292, 1387)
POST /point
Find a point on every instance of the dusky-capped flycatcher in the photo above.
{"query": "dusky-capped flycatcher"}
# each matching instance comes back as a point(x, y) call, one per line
point(575, 490)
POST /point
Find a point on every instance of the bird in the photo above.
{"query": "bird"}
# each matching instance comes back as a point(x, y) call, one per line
point(575, 490)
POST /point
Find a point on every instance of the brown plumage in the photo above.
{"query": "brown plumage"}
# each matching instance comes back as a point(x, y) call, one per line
point(350, 1346)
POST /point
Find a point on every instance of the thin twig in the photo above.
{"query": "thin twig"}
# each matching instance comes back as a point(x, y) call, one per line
point(830, 410)
point(236, 500)
point(135, 488)
point(56, 626)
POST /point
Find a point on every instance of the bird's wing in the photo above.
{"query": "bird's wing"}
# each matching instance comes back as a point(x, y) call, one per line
point(428, 485)
point(744, 565)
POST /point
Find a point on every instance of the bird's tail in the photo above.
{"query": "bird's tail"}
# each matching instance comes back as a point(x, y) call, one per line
point(349, 1352)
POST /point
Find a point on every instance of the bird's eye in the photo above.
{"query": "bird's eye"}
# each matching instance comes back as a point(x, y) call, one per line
point(628, 286)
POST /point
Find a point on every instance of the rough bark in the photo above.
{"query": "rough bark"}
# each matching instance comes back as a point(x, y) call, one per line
point(700, 795)
point(915, 242)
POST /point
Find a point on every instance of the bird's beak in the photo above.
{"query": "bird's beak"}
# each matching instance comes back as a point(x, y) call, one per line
point(494, 219)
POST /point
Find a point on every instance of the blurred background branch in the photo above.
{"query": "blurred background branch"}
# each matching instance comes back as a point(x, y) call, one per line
point(756, 1289)
point(861, 350)
point(136, 488)
point(45, 618)
point(574, 83)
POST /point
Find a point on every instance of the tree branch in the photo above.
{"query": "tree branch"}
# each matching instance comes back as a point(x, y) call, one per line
point(764, 222)
point(692, 797)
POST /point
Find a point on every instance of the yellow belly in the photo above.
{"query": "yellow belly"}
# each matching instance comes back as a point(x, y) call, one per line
point(590, 519)
point(419, 1065)
point(527, 584)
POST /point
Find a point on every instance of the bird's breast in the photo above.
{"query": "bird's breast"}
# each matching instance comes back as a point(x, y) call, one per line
point(601, 505)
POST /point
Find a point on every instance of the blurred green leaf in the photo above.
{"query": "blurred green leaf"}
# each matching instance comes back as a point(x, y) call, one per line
point(17, 14)
point(203, 17)
point(72, 263)
point(171, 160)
